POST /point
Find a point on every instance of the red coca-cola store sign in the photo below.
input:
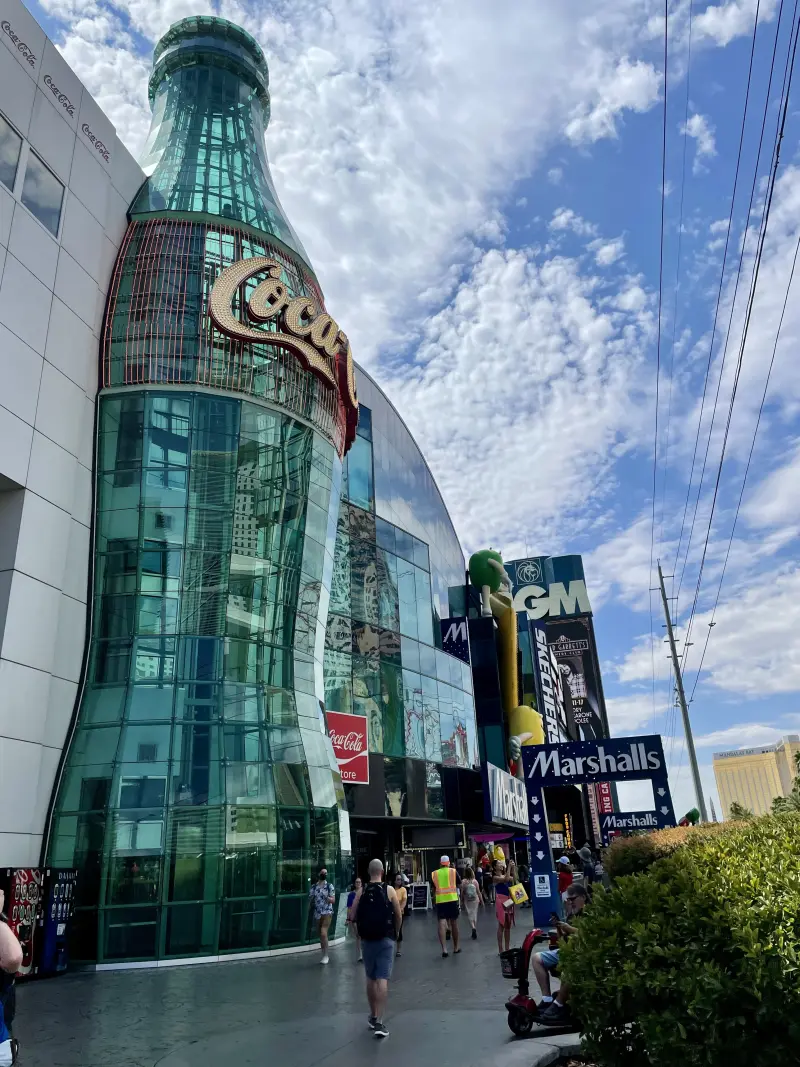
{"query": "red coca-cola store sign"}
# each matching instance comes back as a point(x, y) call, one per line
point(349, 736)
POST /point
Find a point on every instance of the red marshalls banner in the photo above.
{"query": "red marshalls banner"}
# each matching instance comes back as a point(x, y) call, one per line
point(349, 736)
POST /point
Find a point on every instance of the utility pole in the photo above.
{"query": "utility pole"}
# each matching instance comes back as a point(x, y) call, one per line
point(687, 726)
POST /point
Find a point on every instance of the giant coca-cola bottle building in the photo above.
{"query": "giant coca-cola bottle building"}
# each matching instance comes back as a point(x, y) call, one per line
point(199, 790)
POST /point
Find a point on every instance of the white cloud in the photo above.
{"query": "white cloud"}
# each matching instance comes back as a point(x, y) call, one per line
point(750, 651)
point(743, 735)
point(564, 218)
point(620, 565)
point(523, 355)
point(628, 85)
point(633, 714)
point(632, 298)
point(700, 129)
point(608, 252)
point(387, 150)
point(555, 175)
point(775, 501)
point(721, 23)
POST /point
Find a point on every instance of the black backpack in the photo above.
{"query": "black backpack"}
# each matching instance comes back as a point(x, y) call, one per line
point(375, 916)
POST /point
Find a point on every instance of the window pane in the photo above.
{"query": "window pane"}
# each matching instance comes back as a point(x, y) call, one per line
point(10, 145)
point(359, 474)
point(42, 193)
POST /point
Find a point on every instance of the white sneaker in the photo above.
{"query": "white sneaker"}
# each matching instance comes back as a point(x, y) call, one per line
point(324, 960)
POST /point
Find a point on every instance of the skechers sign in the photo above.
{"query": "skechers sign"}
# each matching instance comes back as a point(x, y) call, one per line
point(504, 797)
point(549, 694)
point(617, 759)
point(549, 586)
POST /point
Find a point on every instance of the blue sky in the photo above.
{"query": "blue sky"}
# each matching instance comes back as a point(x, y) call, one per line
point(479, 189)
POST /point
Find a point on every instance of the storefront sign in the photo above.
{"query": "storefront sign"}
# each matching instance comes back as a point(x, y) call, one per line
point(612, 759)
point(605, 798)
point(504, 796)
point(455, 637)
point(295, 319)
point(594, 812)
point(549, 586)
point(349, 736)
point(625, 821)
point(549, 693)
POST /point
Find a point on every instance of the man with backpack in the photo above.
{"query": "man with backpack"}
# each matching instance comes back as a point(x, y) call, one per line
point(10, 963)
point(377, 914)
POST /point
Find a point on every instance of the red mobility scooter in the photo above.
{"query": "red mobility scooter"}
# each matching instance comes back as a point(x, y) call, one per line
point(523, 1011)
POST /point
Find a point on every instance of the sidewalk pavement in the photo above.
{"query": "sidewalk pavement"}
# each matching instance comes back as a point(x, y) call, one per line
point(288, 1010)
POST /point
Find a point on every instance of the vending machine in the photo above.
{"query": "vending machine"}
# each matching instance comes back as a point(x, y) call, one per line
point(39, 904)
point(52, 938)
point(23, 890)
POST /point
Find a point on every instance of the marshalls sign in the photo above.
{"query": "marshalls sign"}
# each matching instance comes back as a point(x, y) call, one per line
point(610, 759)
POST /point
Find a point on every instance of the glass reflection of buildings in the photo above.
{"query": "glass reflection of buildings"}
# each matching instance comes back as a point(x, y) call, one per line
point(398, 570)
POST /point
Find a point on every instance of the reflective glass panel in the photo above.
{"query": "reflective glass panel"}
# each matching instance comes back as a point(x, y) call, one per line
point(42, 193)
point(10, 147)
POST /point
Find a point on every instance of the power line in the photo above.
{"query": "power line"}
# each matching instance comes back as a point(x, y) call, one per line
point(719, 298)
point(738, 279)
point(779, 133)
point(671, 712)
point(658, 343)
point(677, 267)
point(747, 468)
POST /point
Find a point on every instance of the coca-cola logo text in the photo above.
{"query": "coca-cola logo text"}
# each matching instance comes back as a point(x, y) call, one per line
point(62, 98)
point(98, 144)
point(352, 742)
point(348, 734)
point(23, 48)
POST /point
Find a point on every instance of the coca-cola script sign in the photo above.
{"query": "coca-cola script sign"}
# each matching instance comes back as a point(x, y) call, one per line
point(349, 736)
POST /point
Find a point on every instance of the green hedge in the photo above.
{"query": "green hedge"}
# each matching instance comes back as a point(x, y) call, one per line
point(630, 855)
point(696, 961)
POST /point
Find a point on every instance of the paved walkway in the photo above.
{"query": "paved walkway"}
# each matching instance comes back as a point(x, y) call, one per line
point(288, 1011)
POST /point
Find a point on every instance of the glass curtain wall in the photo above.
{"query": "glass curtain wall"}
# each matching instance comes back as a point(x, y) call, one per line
point(381, 659)
point(199, 794)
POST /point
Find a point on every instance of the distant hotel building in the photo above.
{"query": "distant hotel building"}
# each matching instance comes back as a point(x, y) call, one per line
point(753, 777)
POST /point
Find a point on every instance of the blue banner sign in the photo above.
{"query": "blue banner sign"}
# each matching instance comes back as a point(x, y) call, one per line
point(455, 637)
point(626, 821)
point(609, 759)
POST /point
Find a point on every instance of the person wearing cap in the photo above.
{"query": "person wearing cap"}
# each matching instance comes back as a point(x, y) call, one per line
point(564, 875)
point(445, 888)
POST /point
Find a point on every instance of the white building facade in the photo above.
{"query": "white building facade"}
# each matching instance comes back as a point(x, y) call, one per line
point(66, 182)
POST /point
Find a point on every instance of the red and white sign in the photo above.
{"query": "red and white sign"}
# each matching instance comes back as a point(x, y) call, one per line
point(349, 736)
point(605, 799)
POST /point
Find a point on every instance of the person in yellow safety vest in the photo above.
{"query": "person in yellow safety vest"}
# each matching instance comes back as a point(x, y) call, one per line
point(444, 887)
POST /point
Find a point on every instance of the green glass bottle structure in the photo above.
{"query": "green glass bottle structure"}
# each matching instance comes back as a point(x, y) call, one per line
point(199, 790)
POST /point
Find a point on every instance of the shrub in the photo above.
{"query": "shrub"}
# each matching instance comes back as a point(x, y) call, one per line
point(630, 855)
point(694, 963)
